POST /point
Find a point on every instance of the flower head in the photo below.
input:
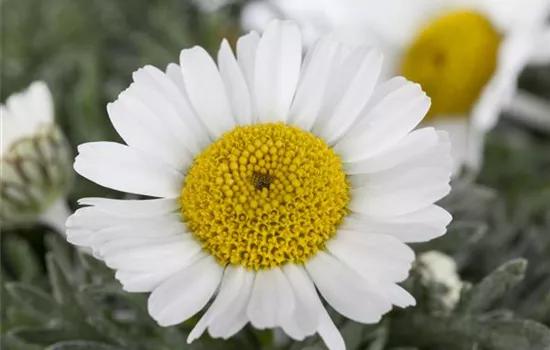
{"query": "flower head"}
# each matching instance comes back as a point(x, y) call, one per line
point(466, 55)
point(36, 166)
point(279, 178)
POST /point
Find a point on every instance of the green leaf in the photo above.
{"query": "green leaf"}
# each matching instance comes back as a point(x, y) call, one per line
point(514, 335)
point(492, 287)
point(43, 336)
point(61, 250)
point(21, 259)
point(33, 300)
point(81, 345)
point(8, 341)
point(63, 292)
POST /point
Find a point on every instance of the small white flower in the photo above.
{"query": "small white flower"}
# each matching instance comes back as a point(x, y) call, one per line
point(467, 55)
point(276, 178)
point(439, 268)
point(36, 161)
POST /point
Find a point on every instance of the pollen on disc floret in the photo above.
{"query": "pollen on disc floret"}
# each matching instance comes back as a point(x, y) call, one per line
point(265, 195)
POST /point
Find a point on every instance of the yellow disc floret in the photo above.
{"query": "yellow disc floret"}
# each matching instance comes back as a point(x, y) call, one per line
point(453, 58)
point(264, 195)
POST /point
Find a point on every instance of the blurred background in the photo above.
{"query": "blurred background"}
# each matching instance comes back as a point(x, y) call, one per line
point(56, 298)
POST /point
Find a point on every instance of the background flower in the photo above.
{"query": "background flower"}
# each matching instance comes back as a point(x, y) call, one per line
point(36, 165)
point(431, 43)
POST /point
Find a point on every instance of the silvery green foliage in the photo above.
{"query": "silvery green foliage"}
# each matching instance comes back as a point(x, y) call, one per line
point(36, 171)
point(81, 306)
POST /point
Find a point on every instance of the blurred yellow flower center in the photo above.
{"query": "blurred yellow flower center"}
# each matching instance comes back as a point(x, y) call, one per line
point(453, 58)
point(264, 195)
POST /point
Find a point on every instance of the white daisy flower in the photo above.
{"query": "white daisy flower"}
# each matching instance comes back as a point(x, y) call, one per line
point(276, 179)
point(466, 54)
point(36, 161)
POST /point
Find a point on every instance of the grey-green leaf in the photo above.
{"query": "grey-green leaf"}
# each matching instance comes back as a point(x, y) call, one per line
point(492, 287)
point(81, 345)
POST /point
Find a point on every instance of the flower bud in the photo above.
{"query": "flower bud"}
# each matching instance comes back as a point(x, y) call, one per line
point(36, 164)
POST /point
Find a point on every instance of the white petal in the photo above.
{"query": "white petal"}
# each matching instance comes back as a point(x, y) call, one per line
point(206, 90)
point(349, 93)
point(124, 169)
point(541, 52)
point(458, 130)
point(142, 131)
point(140, 281)
point(272, 299)
point(25, 113)
point(132, 229)
point(247, 46)
point(386, 205)
point(134, 208)
point(411, 146)
point(402, 177)
point(95, 218)
point(329, 333)
point(83, 224)
point(173, 71)
point(418, 226)
point(235, 85)
point(154, 254)
point(386, 121)
point(234, 317)
point(185, 122)
point(40, 100)
point(380, 256)
point(403, 189)
point(155, 116)
point(310, 94)
point(186, 293)
point(345, 290)
point(306, 313)
point(277, 70)
point(381, 273)
point(231, 285)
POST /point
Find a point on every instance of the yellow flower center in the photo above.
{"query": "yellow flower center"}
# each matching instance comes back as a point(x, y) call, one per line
point(453, 58)
point(264, 195)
